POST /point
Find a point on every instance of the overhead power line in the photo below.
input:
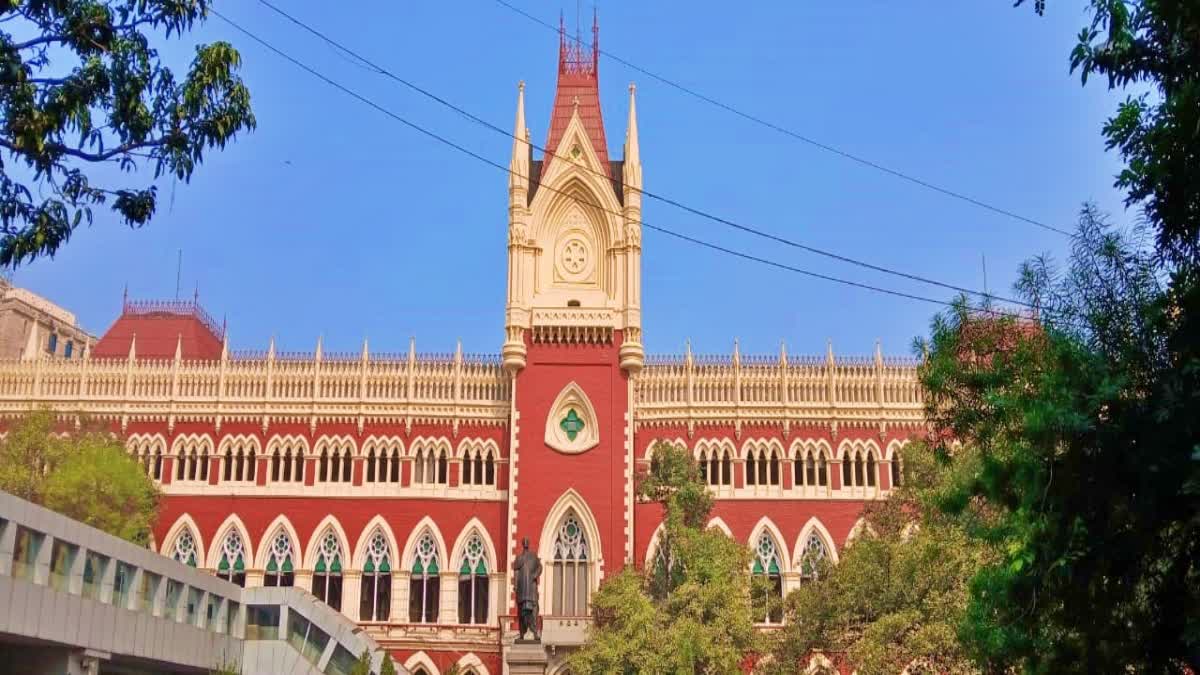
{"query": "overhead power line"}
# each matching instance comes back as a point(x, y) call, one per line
point(474, 155)
point(548, 153)
point(798, 136)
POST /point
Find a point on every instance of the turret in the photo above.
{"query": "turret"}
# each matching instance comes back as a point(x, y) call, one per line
point(518, 166)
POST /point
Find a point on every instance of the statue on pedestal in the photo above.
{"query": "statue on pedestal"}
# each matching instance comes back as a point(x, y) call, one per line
point(527, 569)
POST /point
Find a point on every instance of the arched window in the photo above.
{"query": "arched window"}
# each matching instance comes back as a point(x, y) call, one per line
point(479, 467)
point(276, 466)
point(370, 466)
point(203, 461)
point(812, 557)
point(424, 585)
point(897, 474)
point(185, 548)
point(768, 589)
point(473, 583)
point(281, 567)
point(751, 474)
point(715, 466)
point(375, 600)
point(157, 464)
point(570, 573)
point(812, 469)
point(762, 466)
point(232, 566)
point(323, 467)
point(394, 466)
point(430, 466)
point(871, 468)
point(327, 573)
point(347, 464)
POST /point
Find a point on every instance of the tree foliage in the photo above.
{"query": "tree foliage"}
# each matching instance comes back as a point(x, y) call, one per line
point(1085, 429)
point(1154, 44)
point(87, 476)
point(898, 594)
point(82, 86)
point(692, 612)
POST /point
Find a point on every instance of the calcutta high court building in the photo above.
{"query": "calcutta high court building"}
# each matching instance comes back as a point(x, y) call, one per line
point(397, 487)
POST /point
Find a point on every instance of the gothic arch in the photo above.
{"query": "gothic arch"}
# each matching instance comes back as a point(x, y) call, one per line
point(430, 442)
point(311, 551)
point(718, 523)
point(146, 443)
point(573, 406)
point(652, 547)
point(336, 444)
point(182, 523)
point(894, 447)
point(191, 442)
point(232, 522)
point(281, 522)
point(478, 445)
point(715, 445)
point(421, 660)
point(763, 445)
point(359, 557)
point(472, 661)
point(814, 525)
point(868, 445)
point(247, 440)
point(570, 501)
point(677, 442)
point(477, 527)
point(765, 524)
point(278, 442)
point(426, 524)
point(384, 443)
point(820, 445)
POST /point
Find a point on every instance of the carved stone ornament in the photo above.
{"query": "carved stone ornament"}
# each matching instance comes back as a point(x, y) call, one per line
point(572, 426)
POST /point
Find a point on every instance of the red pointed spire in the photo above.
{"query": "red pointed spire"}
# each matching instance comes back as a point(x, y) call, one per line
point(578, 85)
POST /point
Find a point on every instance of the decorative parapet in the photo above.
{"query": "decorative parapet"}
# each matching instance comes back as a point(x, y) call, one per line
point(175, 308)
point(704, 389)
point(252, 386)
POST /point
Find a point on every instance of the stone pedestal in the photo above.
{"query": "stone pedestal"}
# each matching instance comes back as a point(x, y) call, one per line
point(525, 658)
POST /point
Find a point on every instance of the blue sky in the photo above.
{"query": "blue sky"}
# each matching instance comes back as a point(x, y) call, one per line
point(330, 219)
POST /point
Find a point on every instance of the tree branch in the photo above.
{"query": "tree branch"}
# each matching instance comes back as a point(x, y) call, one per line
point(61, 149)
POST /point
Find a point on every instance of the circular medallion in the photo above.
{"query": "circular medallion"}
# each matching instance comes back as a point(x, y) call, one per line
point(573, 258)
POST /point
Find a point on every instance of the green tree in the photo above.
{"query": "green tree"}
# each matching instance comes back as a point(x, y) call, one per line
point(692, 612)
point(81, 86)
point(388, 668)
point(87, 476)
point(363, 665)
point(897, 596)
point(1087, 465)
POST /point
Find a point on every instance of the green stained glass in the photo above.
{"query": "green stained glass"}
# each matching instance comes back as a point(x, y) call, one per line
point(418, 568)
point(774, 568)
point(433, 566)
point(384, 567)
point(370, 566)
point(320, 566)
point(572, 424)
point(336, 567)
point(481, 568)
point(466, 567)
point(271, 566)
point(758, 568)
point(287, 565)
point(239, 565)
point(192, 560)
point(223, 566)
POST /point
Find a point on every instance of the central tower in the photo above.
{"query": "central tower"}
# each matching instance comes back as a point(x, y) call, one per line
point(574, 223)
point(572, 342)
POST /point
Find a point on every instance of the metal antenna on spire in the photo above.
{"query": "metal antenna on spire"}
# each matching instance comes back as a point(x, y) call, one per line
point(178, 273)
point(983, 258)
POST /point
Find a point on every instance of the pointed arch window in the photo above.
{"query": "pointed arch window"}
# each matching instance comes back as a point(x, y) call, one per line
point(375, 600)
point(327, 572)
point(479, 466)
point(473, 583)
point(859, 468)
point(232, 565)
point(813, 557)
point(715, 466)
point(767, 593)
point(281, 562)
point(571, 567)
point(185, 548)
point(762, 466)
point(812, 469)
point(430, 466)
point(424, 584)
point(897, 473)
point(287, 463)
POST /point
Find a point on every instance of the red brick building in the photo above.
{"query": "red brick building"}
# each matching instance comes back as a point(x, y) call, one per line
point(397, 487)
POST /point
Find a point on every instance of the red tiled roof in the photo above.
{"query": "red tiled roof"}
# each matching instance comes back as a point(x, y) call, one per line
point(578, 83)
point(159, 327)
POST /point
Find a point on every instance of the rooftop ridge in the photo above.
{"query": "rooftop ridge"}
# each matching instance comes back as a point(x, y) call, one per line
point(179, 308)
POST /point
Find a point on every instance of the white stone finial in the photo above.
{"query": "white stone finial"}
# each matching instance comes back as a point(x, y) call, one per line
point(878, 352)
point(133, 347)
point(518, 166)
point(365, 350)
point(317, 354)
point(737, 352)
point(271, 348)
point(829, 351)
point(458, 351)
point(412, 348)
point(783, 351)
point(632, 166)
point(225, 345)
point(179, 348)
